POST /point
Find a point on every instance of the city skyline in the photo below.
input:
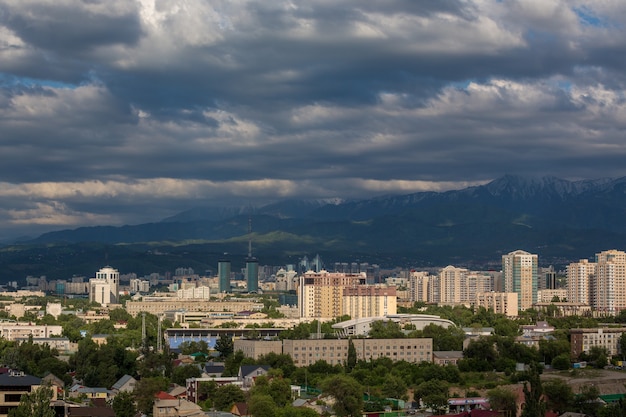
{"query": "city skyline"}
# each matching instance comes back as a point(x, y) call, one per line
point(127, 112)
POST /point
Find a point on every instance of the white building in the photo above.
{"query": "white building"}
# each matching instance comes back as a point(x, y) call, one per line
point(104, 288)
point(579, 277)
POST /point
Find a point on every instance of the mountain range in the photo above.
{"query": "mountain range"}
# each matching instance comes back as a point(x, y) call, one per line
point(558, 219)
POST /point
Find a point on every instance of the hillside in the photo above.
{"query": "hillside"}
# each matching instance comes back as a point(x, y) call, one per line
point(558, 219)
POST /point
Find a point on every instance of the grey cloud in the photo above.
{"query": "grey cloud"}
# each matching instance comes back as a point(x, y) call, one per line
point(237, 93)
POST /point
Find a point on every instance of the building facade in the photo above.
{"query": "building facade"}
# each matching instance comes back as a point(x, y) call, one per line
point(582, 340)
point(320, 294)
point(104, 288)
point(579, 277)
point(223, 274)
point(519, 270)
point(608, 286)
point(499, 302)
point(369, 301)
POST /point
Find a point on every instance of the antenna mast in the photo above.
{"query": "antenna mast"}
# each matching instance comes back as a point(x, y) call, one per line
point(250, 234)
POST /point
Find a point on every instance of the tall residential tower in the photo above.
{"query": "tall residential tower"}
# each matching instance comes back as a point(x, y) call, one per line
point(519, 271)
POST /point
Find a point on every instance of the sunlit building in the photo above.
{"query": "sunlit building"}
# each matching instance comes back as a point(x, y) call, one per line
point(519, 270)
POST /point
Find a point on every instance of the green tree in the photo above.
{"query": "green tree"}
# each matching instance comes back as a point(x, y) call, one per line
point(145, 390)
point(502, 399)
point(432, 391)
point(35, 404)
point(225, 345)
point(622, 345)
point(385, 330)
point(598, 355)
point(182, 372)
point(348, 395)
point(534, 406)
point(394, 387)
point(560, 397)
point(124, 405)
point(291, 411)
point(586, 401)
point(261, 406)
point(351, 359)
point(227, 395)
point(561, 362)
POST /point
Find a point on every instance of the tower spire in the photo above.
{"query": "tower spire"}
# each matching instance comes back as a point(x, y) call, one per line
point(249, 236)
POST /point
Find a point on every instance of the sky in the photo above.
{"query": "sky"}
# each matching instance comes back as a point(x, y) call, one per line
point(120, 112)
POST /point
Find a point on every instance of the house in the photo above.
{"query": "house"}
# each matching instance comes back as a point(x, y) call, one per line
point(124, 384)
point(175, 407)
point(55, 382)
point(90, 412)
point(240, 409)
point(248, 373)
point(178, 392)
point(213, 369)
point(88, 392)
point(447, 357)
point(13, 385)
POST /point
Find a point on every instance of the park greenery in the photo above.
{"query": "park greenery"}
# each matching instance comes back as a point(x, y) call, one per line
point(488, 366)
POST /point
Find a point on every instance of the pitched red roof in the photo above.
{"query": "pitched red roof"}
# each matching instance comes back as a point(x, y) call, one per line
point(162, 395)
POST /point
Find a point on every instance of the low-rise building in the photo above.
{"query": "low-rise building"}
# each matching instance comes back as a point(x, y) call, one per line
point(306, 352)
point(15, 384)
point(447, 357)
point(582, 340)
point(172, 304)
point(12, 331)
point(499, 302)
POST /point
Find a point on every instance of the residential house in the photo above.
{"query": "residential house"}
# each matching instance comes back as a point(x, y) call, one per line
point(124, 384)
point(248, 373)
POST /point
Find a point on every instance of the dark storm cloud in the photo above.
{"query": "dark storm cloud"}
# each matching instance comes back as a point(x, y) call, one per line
point(70, 28)
point(122, 111)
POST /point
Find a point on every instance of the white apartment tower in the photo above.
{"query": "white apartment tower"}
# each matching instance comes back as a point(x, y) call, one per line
point(418, 286)
point(580, 276)
point(519, 270)
point(104, 288)
point(608, 288)
point(451, 281)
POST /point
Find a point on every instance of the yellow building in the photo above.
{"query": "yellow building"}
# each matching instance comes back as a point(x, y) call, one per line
point(171, 304)
point(369, 301)
point(320, 294)
point(519, 270)
point(579, 277)
point(499, 302)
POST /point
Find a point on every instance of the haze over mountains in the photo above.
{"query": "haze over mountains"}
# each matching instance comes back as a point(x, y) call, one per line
point(558, 219)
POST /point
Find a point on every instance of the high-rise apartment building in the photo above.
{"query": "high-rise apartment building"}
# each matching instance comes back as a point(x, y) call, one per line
point(320, 294)
point(579, 278)
point(519, 270)
point(369, 301)
point(608, 286)
point(104, 288)
point(451, 280)
point(418, 286)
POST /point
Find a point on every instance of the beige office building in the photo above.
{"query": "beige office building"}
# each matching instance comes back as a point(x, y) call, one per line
point(335, 351)
point(579, 278)
point(499, 302)
point(171, 304)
